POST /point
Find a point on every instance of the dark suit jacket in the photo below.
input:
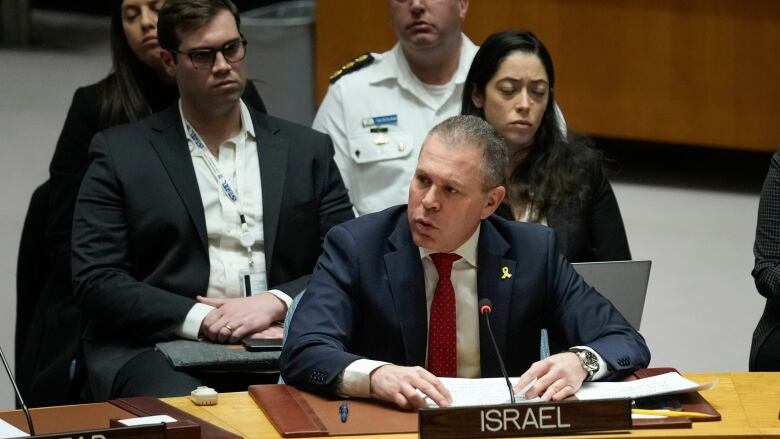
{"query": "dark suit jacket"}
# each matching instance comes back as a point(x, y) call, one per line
point(766, 271)
point(48, 338)
point(366, 299)
point(592, 229)
point(70, 159)
point(140, 252)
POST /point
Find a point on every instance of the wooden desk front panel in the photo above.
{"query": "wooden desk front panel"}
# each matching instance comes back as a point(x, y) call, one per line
point(702, 72)
point(748, 402)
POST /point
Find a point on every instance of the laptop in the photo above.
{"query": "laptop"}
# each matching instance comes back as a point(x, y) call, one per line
point(624, 283)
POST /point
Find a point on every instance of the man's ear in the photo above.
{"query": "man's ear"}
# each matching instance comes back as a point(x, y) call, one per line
point(168, 62)
point(464, 8)
point(494, 198)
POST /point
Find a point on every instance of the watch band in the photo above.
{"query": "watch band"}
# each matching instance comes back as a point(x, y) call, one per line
point(588, 360)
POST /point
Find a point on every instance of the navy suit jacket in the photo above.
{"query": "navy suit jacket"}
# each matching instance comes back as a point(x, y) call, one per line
point(366, 299)
point(140, 250)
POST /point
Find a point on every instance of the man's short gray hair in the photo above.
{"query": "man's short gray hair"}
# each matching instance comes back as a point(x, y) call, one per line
point(473, 131)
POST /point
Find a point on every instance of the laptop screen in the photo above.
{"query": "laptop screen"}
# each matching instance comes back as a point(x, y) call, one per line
point(624, 283)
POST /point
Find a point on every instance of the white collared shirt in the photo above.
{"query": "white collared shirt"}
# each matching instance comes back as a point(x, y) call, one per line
point(464, 280)
point(238, 161)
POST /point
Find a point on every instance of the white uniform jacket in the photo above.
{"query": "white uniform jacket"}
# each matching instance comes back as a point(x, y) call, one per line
point(377, 161)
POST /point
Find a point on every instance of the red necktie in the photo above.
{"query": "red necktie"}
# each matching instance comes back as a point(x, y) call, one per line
point(442, 349)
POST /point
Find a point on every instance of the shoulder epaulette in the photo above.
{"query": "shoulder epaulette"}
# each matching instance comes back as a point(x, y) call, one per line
point(352, 66)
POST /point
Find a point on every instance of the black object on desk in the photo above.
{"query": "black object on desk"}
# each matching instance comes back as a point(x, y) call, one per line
point(262, 344)
point(344, 411)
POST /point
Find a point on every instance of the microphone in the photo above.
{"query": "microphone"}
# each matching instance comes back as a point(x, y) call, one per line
point(485, 308)
point(18, 395)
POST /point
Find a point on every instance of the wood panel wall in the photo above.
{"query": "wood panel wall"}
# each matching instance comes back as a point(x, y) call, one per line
point(700, 72)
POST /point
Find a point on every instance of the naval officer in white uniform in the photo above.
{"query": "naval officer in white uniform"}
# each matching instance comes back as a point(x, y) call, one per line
point(380, 106)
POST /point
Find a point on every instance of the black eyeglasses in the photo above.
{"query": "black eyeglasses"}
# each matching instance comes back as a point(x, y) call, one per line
point(203, 59)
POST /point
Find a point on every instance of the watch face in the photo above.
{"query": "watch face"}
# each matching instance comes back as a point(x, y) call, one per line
point(590, 360)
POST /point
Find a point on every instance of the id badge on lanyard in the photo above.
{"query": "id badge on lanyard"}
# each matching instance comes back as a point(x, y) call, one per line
point(253, 282)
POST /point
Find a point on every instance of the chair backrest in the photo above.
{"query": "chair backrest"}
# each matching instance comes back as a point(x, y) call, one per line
point(30, 266)
point(288, 319)
point(290, 312)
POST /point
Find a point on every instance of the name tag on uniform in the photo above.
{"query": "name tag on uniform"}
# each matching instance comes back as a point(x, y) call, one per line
point(390, 119)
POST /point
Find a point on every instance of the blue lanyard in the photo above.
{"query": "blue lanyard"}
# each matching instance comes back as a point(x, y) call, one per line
point(246, 238)
point(222, 181)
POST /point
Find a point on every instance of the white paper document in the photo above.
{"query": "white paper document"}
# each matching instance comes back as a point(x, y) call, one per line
point(481, 391)
point(8, 431)
point(147, 420)
point(664, 384)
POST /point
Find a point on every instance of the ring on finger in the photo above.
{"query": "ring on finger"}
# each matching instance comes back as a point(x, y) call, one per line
point(228, 327)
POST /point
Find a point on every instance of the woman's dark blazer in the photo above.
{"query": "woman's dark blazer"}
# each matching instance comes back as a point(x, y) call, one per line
point(590, 230)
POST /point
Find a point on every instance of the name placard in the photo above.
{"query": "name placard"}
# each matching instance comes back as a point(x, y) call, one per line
point(504, 420)
point(181, 429)
point(140, 432)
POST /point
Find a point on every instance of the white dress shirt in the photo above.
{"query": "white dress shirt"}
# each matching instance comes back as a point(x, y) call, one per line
point(238, 161)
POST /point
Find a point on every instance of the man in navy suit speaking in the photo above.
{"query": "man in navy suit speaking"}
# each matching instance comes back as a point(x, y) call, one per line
point(392, 303)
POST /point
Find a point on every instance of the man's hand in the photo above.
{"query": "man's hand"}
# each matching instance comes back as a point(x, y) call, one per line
point(399, 384)
point(234, 319)
point(559, 376)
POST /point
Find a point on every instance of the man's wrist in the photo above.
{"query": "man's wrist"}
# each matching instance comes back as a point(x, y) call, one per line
point(355, 379)
point(284, 298)
point(588, 360)
point(191, 327)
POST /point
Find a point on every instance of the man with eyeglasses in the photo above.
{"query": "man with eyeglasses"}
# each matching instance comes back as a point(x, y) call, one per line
point(204, 220)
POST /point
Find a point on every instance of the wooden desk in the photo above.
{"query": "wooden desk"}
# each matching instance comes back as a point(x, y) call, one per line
point(748, 402)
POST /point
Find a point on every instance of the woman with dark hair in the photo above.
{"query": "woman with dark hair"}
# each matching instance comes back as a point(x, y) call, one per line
point(551, 179)
point(136, 87)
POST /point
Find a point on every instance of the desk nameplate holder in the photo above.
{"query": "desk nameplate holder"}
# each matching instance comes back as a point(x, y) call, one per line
point(505, 420)
point(156, 431)
point(181, 429)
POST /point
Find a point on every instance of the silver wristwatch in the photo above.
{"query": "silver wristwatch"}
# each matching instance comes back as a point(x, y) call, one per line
point(589, 361)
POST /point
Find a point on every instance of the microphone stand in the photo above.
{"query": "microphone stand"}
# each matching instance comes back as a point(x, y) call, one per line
point(18, 394)
point(498, 354)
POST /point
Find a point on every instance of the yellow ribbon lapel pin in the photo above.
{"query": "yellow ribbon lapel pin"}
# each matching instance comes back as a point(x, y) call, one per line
point(505, 274)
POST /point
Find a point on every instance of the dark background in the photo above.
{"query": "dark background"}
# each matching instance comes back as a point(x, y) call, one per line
point(102, 7)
